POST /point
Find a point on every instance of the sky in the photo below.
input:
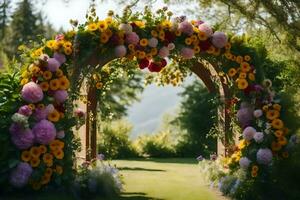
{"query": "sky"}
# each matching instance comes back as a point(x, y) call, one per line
point(145, 115)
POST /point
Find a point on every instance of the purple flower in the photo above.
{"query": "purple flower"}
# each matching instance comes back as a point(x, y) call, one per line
point(248, 133)
point(219, 39)
point(132, 38)
point(32, 93)
point(152, 42)
point(187, 53)
point(206, 29)
point(100, 156)
point(25, 110)
point(164, 52)
point(186, 27)
point(245, 114)
point(53, 64)
point(15, 128)
point(23, 139)
point(44, 132)
point(60, 96)
point(258, 137)
point(40, 114)
point(244, 162)
point(120, 51)
point(264, 156)
point(20, 175)
point(61, 58)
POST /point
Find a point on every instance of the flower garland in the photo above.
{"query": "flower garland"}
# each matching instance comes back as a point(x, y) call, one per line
point(149, 40)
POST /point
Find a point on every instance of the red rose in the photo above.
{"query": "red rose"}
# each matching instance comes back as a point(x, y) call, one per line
point(144, 63)
point(204, 45)
point(163, 62)
point(154, 67)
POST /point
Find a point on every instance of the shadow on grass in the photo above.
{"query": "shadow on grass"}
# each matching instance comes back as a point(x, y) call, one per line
point(167, 160)
point(140, 169)
point(136, 196)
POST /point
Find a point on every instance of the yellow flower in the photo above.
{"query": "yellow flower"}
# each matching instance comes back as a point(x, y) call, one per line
point(140, 24)
point(243, 75)
point(255, 168)
point(242, 84)
point(242, 144)
point(188, 41)
point(54, 116)
point(34, 162)
point(68, 51)
point(44, 86)
point(47, 158)
point(143, 42)
point(25, 156)
point(194, 38)
point(251, 76)
point(64, 83)
point(45, 180)
point(272, 114)
point(48, 172)
point(43, 148)
point(278, 133)
point(25, 74)
point(102, 25)
point(59, 73)
point(92, 26)
point(245, 67)
point(59, 154)
point(265, 108)
point(161, 35)
point(228, 46)
point(154, 33)
point(54, 84)
point(277, 124)
point(35, 152)
point(58, 169)
point(99, 85)
point(31, 106)
point(275, 146)
point(210, 50)
point(232, 72)
point(166, 24)
point(51, 44)
point(56, 144)
point(24, 81)
point(202, 36)
point(141, 54)
point(67, 45)
point(108, 20)
point(196, 49)
point(178, 33)
point(239, 59)
point(276, 106)
point(253, 174)
point(282, 141)
point(247, 58)
point(153, 51)
point(104, 38)
point(131, 47)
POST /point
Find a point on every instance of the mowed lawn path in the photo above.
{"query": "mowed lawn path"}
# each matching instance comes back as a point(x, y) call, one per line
point(164, 179)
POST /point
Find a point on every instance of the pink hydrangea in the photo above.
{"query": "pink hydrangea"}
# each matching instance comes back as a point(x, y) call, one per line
point(186, 27)
point(264, 156)
point(132, 38)
point(25, 110)
point(20, 175)
point(244, 162)
point(206, 29)
point(61, 58)
point(248, 133)
point(187, 53)
point(152, 42)
point(53, 64)
point(44, 132)
point(219, 39)
point(120, 51)
point(23, 139)
point(32, 93)
point(60, 96)
point(164, 52)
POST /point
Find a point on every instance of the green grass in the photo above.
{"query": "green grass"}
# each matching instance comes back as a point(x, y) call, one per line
point(164, 179)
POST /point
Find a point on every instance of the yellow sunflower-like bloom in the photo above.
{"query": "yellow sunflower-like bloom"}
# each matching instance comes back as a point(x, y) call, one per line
point(102, 25)
point(272, 114)
point(59, 73)
point(251, 76)
point(232, 72)
point(245, 67)
point(92, 27)
point(242, 84)
point(247, 58)
point(54, 84)
point(64, 83)
point(54, 116)
point(35, 162)
point(99, 85)
point(68, 51)
point(43, 149)
point(44, 86)
point(282, 141)
point(26, 156)
point(58, 154)
point(47, 157)
point(277, 124)
point(35, 152)
point(143, 42)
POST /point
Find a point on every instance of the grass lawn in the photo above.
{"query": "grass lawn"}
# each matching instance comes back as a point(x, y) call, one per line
point(164, 179)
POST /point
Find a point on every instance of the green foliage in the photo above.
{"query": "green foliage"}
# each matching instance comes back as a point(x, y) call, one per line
point(113, 140)
point(196, 118)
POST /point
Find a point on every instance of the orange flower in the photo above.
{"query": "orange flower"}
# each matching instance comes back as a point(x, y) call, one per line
point(276, 106)
point(254, 174)
point(64, 83)
point(35, 152)
point(44, 86)
point(210, 50)
point(48, 172)
point(59, 154)
point(228, 46)
point(278, 133)
point(272, 114)
point(245, 67)
point(243, 75)
point(239, 59)
point(251, 76)
point(47, 157)
point(143, 42)
point(153, 51)
point(282, 141)
point(161, 35)
point(247, 58)
point(59, 73)
point(131, 47)
point(26, 156)
point(255, 168)
point(34, 162)
point(232, 72)
point(58, 169)
point(178, 33)
point(196, 49)
point(47, 75)
point(67, 44)
point(56, 144)
point(242, 84)
point(99, 85)
point(285, 154)
point(104, 38)
point(277, 124)
point(54, 116)
point(68, 51)
point(45, 180)
point(188, 41)
point(154, 33)
point(202, 36)
point(43, 148)
point(275, 146)
point(54, 84)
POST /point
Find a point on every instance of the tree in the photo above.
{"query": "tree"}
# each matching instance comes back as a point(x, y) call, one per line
point(4, 17)
point(196, 119)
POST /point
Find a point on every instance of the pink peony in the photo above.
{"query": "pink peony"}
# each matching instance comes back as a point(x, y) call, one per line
point(23, 139)
point(61, 58)
point(244, 162)
point(127, 28)
point(60, 96)
point(152, 42)
point(132, 38)
point(206, 29)
point(25, 110)
point(264, 156)
point(32, 93)
point(219, 39)
point(53, 64)
point(120, 51)
point(187, 53)
point(20, 175)
point(44, 132)
point(248, 133)
point(164, 52)
point(186, 27)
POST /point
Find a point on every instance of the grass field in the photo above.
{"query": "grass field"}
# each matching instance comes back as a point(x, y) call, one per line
point(153, 179)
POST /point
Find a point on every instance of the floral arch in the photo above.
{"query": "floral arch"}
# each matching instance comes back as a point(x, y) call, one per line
point(52, 78)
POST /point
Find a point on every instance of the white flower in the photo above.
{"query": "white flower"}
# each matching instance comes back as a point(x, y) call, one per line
point(264, 156)
point(244, 162)
point(171, 46)
point(258, 137)
point(258, 113)
point(20, 119)
point(152, 42)
point(248, 133)
point(267, 83)
point(268, 126)
point(127, 28)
